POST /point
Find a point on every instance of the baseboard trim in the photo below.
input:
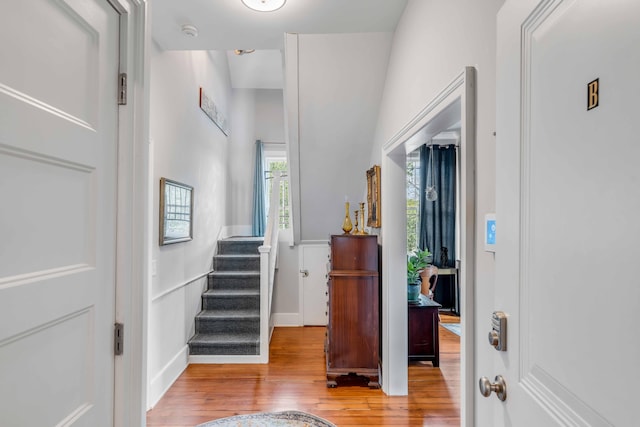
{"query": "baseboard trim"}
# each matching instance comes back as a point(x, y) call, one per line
point(161, 383)
point(257, 359)
point(286, 319)
point(235, 230)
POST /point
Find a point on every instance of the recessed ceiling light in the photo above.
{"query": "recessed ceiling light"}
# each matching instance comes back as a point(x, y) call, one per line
point(189, 30)
point(243, 51)
point(264, 5)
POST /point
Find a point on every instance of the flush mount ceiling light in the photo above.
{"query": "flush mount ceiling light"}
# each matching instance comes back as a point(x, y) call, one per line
point(189, 30)
point(243, 51)
point(264, 5)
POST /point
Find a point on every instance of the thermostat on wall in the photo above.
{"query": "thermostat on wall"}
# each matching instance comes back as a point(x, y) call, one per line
point(490, 232)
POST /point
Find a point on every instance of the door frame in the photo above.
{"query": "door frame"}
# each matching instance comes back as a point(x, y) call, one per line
point(394, 298)
point(132, 229)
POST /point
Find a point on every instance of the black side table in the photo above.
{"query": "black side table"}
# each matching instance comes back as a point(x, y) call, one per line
point(423, 331)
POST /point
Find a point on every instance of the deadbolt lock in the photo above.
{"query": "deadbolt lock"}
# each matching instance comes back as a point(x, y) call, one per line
point(498, 333)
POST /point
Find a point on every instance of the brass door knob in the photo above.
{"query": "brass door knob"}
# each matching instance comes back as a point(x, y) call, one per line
point(499, 387)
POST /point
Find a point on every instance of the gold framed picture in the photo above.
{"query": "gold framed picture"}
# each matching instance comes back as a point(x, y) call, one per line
point(373, 197)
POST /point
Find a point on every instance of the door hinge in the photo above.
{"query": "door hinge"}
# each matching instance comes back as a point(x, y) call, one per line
point(122, 89)
point(118, 339)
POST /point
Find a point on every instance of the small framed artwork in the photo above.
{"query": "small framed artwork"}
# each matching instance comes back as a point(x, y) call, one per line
point(373, 197)
point(213, 112)
point(176, 212)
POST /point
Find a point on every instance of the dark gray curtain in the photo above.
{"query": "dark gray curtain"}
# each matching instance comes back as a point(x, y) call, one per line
point(438, 218)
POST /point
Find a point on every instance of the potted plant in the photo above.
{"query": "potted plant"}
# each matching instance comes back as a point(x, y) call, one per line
point(416, 262)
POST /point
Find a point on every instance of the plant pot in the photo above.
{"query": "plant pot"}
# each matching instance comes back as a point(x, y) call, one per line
point(413, 292)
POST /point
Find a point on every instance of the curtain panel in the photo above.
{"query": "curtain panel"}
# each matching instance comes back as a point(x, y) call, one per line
point(259, 225)
point(437, 230)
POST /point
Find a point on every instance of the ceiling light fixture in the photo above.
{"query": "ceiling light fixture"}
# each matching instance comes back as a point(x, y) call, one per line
point(264, 5)
point(431, 192)
point(189, 30)
point(243, 51)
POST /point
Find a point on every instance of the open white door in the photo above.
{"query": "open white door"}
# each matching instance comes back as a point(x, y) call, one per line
point(567, 213)
point(58, 142)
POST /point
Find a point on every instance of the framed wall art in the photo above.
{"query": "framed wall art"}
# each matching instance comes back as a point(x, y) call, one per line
point(176, 212)
point(213, 112)
point(373, 197)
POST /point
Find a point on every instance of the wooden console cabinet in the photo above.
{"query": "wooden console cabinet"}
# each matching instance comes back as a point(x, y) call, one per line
point(424, 342)
point(353, 334)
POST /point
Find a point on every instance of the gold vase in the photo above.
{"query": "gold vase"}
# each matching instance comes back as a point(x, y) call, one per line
point(346, 224)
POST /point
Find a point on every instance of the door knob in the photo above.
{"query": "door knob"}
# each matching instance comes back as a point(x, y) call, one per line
point(305, 273)
point(499, 387)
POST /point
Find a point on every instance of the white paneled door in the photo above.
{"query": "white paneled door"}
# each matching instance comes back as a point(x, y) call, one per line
point(314, 259)
point(567, 270)
point(58, 140)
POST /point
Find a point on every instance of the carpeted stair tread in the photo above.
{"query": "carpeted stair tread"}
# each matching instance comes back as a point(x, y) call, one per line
point(229, 338)
point(244, 256)
point(244, 239)
point(226, 314)
point(253, 273)
point(231, 293)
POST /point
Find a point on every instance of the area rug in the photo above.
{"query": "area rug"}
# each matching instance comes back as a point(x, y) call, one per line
point(453, 327)
point(269, 419)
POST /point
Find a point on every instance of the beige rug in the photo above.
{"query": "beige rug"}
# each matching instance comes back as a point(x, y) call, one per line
point(271, 419)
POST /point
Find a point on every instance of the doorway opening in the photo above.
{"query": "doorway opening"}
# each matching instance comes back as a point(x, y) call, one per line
point(454, 104)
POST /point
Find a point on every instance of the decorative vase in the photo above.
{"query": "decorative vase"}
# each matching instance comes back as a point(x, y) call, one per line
point(429, 279)
point(346, 224)
point(413, 292)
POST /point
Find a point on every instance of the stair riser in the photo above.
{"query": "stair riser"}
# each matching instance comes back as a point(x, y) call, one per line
point(224, 349)
point(221, 282)
point(236, 264)
point(246, 248)
point(228, 325)
point(231, 303)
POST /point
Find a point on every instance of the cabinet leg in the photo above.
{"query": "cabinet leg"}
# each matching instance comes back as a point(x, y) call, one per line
point(373, 384)
point(331, 381)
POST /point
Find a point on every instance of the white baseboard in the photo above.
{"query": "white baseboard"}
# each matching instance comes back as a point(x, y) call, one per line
point(235, 230)
point(167, 376)
point(228, 359)
point(286, 319)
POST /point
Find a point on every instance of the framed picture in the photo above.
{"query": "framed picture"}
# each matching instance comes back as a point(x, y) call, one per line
point(213, 112)
point(176, 212)
point(373, 197)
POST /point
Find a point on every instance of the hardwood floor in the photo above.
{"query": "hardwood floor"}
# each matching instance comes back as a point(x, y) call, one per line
point(295, 380)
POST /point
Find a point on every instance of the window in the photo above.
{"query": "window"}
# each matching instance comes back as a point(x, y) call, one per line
point(278, 164)
point(413, 200)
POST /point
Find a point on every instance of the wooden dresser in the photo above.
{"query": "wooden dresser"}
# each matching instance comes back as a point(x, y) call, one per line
point(353, 333)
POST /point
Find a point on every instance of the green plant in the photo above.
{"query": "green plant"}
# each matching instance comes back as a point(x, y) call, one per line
point(416, 262)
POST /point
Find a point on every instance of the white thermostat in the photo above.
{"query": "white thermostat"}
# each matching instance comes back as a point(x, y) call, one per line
point(490, 232)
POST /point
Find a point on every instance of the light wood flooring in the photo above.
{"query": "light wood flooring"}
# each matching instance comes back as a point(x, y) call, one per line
point(295, 379)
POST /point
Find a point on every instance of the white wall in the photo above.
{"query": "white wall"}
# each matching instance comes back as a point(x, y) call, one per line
point(257, 114)
point(187, 147)
point(434, 40)
point(340, 80)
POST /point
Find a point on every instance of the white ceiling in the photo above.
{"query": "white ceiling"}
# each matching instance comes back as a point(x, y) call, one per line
point(229, 25)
